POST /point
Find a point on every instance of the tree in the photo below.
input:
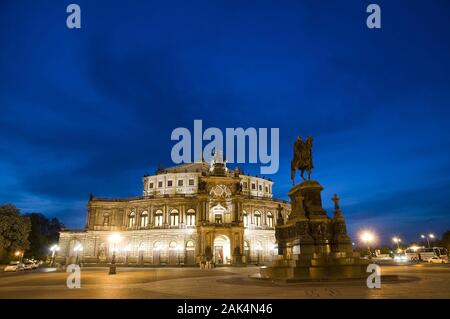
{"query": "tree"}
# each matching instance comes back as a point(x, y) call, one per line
point(44, 233)
point(445, 241)
point(14, 230)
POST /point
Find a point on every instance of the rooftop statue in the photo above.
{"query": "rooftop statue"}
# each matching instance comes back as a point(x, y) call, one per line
point(302, 159)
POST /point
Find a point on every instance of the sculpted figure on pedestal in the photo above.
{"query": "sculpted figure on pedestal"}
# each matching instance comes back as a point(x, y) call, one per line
point(302, 159)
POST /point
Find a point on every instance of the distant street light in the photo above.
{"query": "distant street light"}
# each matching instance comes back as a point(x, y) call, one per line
point(368, 238)
point(114, 239)
point(427, 238)
point(19, 254)
point(53, 249)
point(397, 241)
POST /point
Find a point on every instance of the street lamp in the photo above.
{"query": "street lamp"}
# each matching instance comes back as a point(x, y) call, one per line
point(368, 237)
point(19, 254)
point(427, 238)
point(78, 247)
point(397, 241)
point(114, 239)
point(53, 249)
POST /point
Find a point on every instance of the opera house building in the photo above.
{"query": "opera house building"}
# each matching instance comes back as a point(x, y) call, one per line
point(187, 214)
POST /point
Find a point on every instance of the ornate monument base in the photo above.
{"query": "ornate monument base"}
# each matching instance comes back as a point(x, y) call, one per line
point(311, 245)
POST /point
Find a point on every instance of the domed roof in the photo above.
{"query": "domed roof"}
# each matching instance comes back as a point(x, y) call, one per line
point(196, 167)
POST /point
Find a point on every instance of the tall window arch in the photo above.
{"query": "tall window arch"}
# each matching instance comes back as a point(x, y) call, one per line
point(190, 245)
point(157, 245)
point(269, 219)
point(245, 218)
point(105, 219)
point(257, 216)
point(173, 245)
point(131, 220)
point(174, 217)
point(158, 218)
point(190, 217)
point(144, 219)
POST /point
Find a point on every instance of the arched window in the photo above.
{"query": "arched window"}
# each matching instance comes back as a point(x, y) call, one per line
point(158, 218)
point(190, 217)
point(174, 218)
point(142, 247)
point(269, 219)
point(173, 245)
point(131, 220)
point(144, 219)
point(257, 218)
point(105, 219)
point(157, 245)
point(245, 218)
point(190, 245)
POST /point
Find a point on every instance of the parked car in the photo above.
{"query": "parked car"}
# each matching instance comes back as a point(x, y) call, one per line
point(14, 266)
point(436, 260)
point(29, 265)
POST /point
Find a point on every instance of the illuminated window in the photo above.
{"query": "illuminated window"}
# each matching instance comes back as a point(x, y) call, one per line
point(190, 217)
point(144, 219)
point(174, 218)
point(269, 219)
point(131, 220)
point(257, 218)
point(158, 218)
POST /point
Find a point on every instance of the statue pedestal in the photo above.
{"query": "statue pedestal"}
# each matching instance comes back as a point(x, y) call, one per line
point(317, 267)
point(313, 246)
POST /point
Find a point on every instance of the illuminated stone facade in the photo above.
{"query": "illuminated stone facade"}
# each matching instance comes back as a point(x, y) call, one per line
point(186, 214)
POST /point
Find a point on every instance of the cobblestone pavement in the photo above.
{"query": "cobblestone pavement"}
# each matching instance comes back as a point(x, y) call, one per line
point(412, 281)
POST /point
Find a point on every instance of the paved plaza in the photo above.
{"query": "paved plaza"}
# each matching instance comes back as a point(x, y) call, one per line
point(406, 281)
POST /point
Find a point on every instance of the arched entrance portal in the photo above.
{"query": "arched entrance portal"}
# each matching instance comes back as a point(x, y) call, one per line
point(222, 250)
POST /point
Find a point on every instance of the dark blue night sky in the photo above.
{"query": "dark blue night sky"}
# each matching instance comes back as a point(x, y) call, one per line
point(91, 110)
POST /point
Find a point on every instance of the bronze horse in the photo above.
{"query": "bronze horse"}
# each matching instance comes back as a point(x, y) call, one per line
point(302, 159)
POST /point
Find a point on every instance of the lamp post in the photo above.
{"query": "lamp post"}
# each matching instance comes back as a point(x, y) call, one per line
point(53, 249)
point(397, 240)
point(114, 239)
point(19, 254)
point(427, 238)
point(368, 237)
point(78, 247)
